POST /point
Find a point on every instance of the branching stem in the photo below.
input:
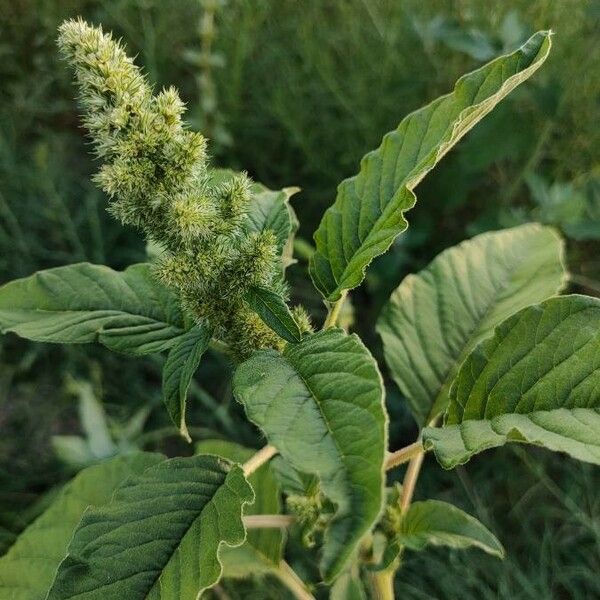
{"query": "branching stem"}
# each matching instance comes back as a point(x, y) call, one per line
point(334, 311)
point(259, 459)
point(399, 457)
point(268, 521)
point(288, 577)
point(410, 480)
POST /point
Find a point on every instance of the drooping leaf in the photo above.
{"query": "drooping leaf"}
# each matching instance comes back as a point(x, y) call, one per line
point(261, 552)
point(273, 310)
point(442, 524)
point(160, 535)
point(368, 212)
point(320, 403)
point(436, 317)
point(536, 380)
point(348, 586)
point(127, 311)
point(180, 366)
point(27, 570)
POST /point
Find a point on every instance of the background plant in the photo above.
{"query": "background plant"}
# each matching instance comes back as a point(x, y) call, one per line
point(413, 253)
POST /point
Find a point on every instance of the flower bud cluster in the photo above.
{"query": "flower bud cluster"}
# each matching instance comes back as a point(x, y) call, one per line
point(156, 174)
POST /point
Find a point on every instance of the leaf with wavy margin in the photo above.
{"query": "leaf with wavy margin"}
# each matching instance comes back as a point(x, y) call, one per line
point(435, 318)
point(536, 380)
point(160, 535)
point(368, 213)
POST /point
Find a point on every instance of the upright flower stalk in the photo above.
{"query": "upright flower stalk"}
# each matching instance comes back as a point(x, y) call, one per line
point(156, 175)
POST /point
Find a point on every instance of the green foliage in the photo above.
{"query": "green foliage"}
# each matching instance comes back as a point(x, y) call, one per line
point(125, 311)
point(160, 534)
point(180, 366)
point(44, 543)
point(320, 403)
point(220, 246)
point(368, 212)
point(534, 381)
point(442, 524)
point(262, 550)
point(434, 318)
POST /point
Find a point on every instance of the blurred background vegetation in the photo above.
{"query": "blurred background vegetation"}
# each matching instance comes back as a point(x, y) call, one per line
point(295, 93)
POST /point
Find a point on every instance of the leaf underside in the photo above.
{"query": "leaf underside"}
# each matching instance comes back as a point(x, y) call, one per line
point(536, 380)
point(442, 524)
point(368, 212)
point(159, 537)
point(436, 317)
point(28, 568)
point(127, 311)
point(320, 404)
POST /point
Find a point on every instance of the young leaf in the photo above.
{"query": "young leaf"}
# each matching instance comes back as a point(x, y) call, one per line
point(27, 570)
point(537, 380)
point(261, 552)
point(368, 212)
point(160, 535)
point(320, 404)
point(180, 366)
point(442, 524)
point(273, 310)
point(436, 317)
point(127, 311)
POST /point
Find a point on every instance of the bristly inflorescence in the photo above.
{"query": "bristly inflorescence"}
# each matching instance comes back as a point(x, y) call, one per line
point(156, 174)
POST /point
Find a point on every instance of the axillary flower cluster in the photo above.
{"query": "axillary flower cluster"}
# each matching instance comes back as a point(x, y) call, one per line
point(156, 174)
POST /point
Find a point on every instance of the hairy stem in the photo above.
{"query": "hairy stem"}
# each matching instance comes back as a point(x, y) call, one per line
point(410, 480)
point(399, 457)
point(334, 312)
point(267, 521)
point(288, 577)
point(259, 459)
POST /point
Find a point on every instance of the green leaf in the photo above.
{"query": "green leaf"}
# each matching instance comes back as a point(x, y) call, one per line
point(127, 311)
point(348, 586)
point(436, 317)
point(537, 380)
point(261, 552)
point(368, 212)
point(28, 569)
point(180, 366)
point(442, 524)
point(273, 310)
point(160, 535)
point(320, 403)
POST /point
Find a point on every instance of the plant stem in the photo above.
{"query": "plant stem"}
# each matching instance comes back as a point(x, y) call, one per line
point(382, 584)
point(288, 577)
point(259, 459)
point(410, 480)
point(334, 311)
point(267, 521)
point(399, 457)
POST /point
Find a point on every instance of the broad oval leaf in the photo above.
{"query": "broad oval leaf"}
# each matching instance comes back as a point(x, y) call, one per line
point(127, 311)
point(368, 212)
point(436, 317)
point(262, 550)
point(160, 535)
point(273, 310)
point(320, 403)
point(180, 366)
point(28, 569)
point(442, 524)
point(537, 380)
